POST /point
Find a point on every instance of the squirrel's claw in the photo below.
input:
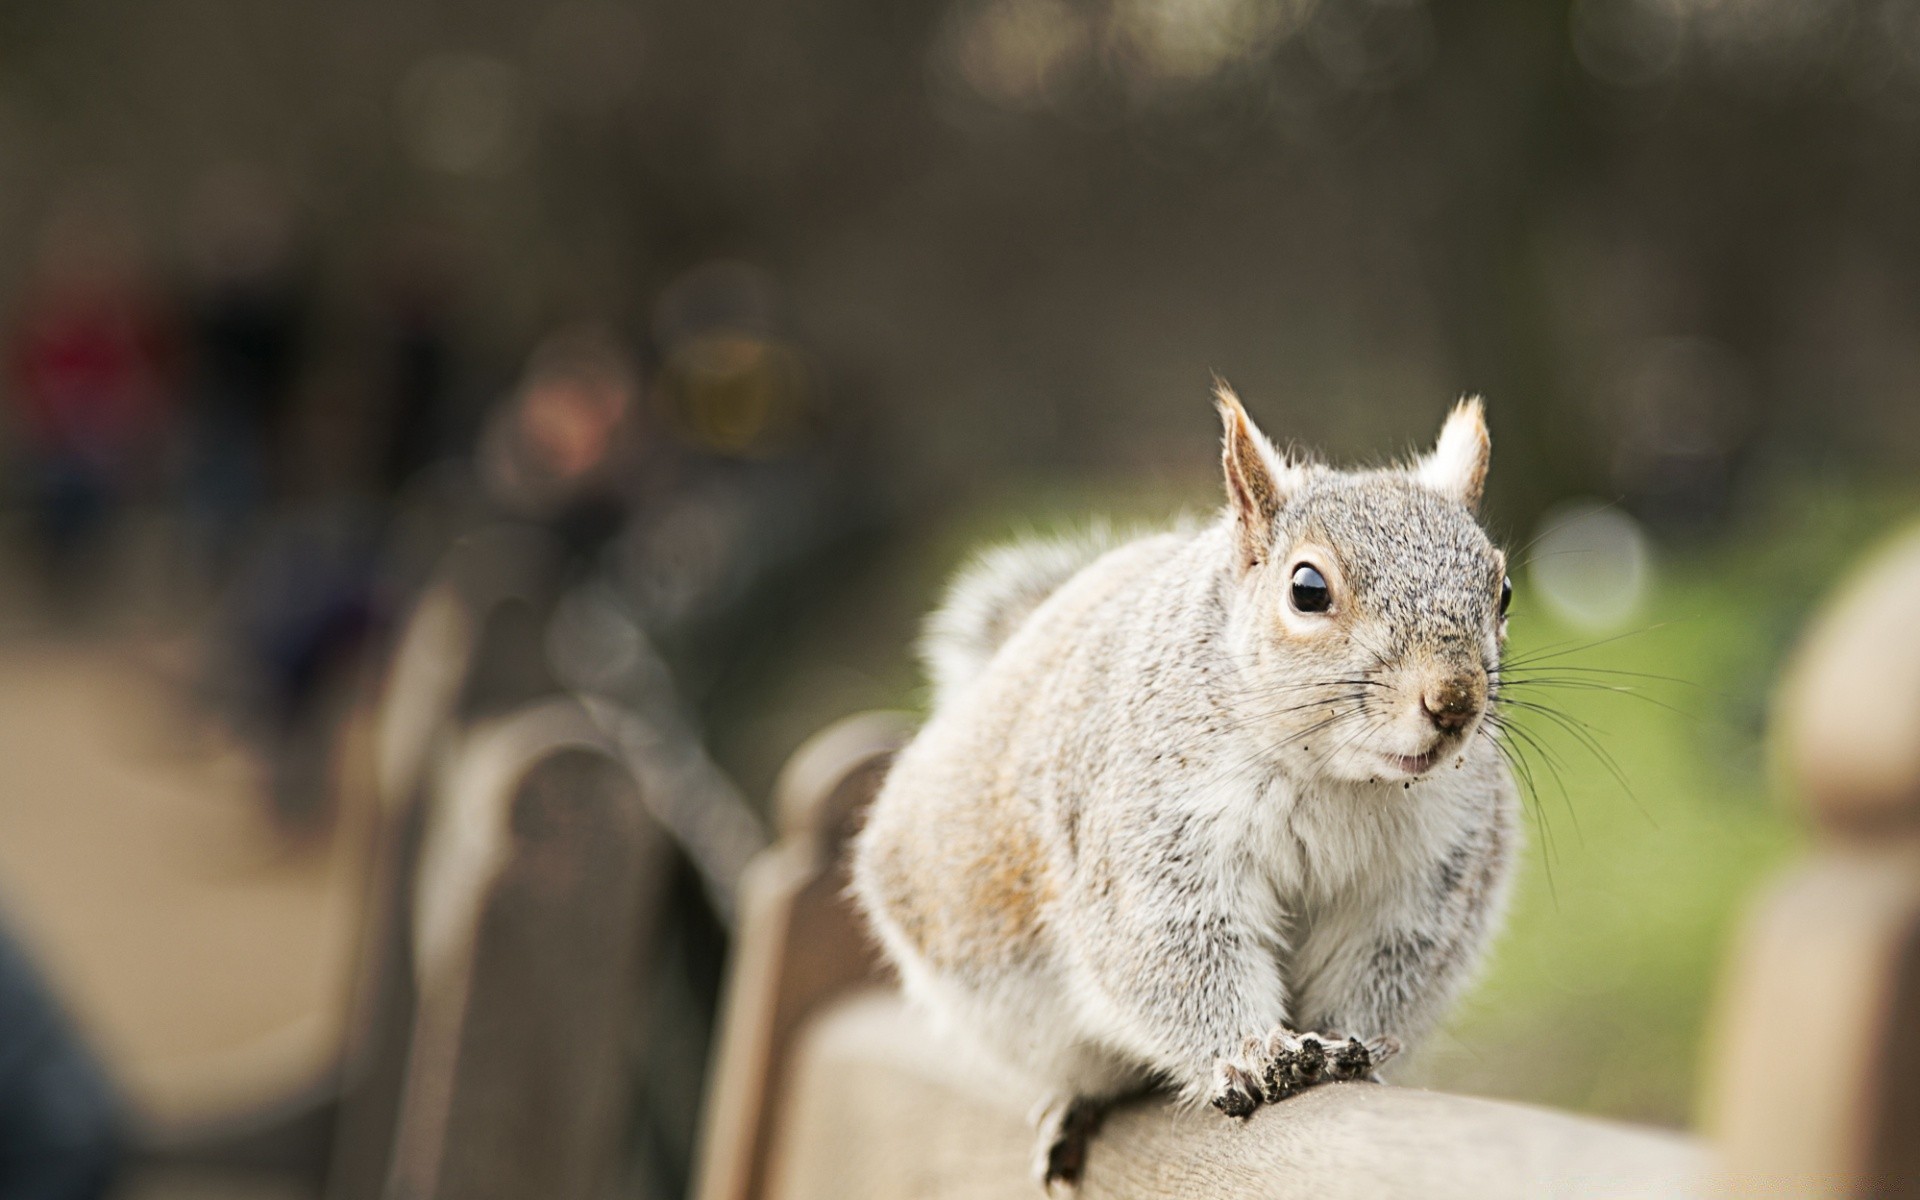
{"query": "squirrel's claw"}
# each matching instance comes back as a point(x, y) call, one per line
point(1292, 1062)
point(1283, 1063)
point(1355, 1059)
point(1236, 1090)
point(1382, 1048)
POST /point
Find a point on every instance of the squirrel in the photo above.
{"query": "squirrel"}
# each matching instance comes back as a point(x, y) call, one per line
point(1219, 809)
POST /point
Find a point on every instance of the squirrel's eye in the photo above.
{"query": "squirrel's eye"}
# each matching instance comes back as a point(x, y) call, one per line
point(1310, 594)
point(1506, 594)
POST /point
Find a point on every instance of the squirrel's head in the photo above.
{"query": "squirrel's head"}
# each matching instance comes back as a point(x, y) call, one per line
point(1369, 607)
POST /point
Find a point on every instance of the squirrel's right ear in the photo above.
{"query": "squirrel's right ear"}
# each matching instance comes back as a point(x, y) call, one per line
point(1457, 465)
point(1259, 480)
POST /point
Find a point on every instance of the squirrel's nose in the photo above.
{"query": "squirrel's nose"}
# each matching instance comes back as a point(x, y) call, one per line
point(1452, 703)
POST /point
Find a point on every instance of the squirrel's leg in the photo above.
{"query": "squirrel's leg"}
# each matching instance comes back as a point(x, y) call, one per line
point(1388, 975)
point(1383, 987)
point(1065, 1125)
point(1191, 986)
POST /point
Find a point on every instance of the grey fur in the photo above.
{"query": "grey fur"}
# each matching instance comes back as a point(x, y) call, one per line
point(1160, 831)
point(993, 595)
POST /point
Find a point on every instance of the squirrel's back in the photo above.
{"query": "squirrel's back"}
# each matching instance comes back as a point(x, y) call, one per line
point(993, 596)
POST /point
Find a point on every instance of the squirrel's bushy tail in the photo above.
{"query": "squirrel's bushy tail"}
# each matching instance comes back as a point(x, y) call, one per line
point(992, 595)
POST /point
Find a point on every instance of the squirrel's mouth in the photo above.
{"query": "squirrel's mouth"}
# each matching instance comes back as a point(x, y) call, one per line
point(1415, 764)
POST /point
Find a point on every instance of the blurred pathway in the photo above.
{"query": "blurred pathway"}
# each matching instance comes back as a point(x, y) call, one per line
point(208, 959)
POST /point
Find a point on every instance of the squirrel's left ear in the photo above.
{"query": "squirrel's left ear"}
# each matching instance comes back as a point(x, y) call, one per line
point(1259, 478)
point(1457, 465)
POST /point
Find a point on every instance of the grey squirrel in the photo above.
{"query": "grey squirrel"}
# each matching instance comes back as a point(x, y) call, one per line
point(1215, 809)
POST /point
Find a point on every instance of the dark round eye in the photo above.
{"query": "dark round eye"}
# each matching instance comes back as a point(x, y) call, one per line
point(1310, 594)
point(1506, 594)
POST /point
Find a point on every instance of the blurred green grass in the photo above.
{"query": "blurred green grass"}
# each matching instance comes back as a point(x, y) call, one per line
point(1601, 993)
point(1598, 994)
point(1598, 997)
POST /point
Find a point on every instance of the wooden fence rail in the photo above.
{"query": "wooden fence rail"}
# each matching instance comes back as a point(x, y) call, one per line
point(799, 946)
point(827, 1089)
point(1817, 1087)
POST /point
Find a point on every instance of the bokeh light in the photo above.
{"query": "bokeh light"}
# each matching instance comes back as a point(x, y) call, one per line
point(1591, 565)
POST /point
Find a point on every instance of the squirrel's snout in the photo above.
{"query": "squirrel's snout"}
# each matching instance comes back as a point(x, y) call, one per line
point(1452, 704)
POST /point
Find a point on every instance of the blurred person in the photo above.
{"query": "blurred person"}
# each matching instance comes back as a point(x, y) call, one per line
point(416, 356)
point(560, 449)
point(292, 629)
point(63, 1132)
point(247, 318)
point(313, 589)
point(688, 495)
point(91, 383)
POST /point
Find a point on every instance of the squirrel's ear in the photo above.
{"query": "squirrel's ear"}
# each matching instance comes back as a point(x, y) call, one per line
point(1457, 465)
point(1259, 480)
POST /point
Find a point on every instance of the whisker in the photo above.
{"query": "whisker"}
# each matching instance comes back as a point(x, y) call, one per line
point(1555, 766)
point(1278, 688)
point(1371, 726)
point(1254, 718)
point(1582, 732)
point(1583, 685)
point(1590, 670)
point(1531, 803)
point(1550, 530)
point(1546, 653)
point(1266, 753)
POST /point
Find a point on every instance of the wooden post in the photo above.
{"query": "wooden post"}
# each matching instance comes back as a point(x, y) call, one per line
point(538, 874)
point(1817, 1088)
point(419, 726)
point(799, 945)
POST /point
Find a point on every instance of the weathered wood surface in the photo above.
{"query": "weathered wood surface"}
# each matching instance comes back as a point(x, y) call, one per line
point(428, 687)
point(1817, 1089)
point(799, 945)
point(1849, 711)
point(539, 872)
point(881, 1108)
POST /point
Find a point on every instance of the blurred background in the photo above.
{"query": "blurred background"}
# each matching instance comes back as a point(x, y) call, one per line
point(761, 315)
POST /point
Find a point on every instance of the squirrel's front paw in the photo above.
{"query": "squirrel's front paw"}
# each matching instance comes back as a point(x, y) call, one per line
point(1236, 1087)
point(1270, 1069)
